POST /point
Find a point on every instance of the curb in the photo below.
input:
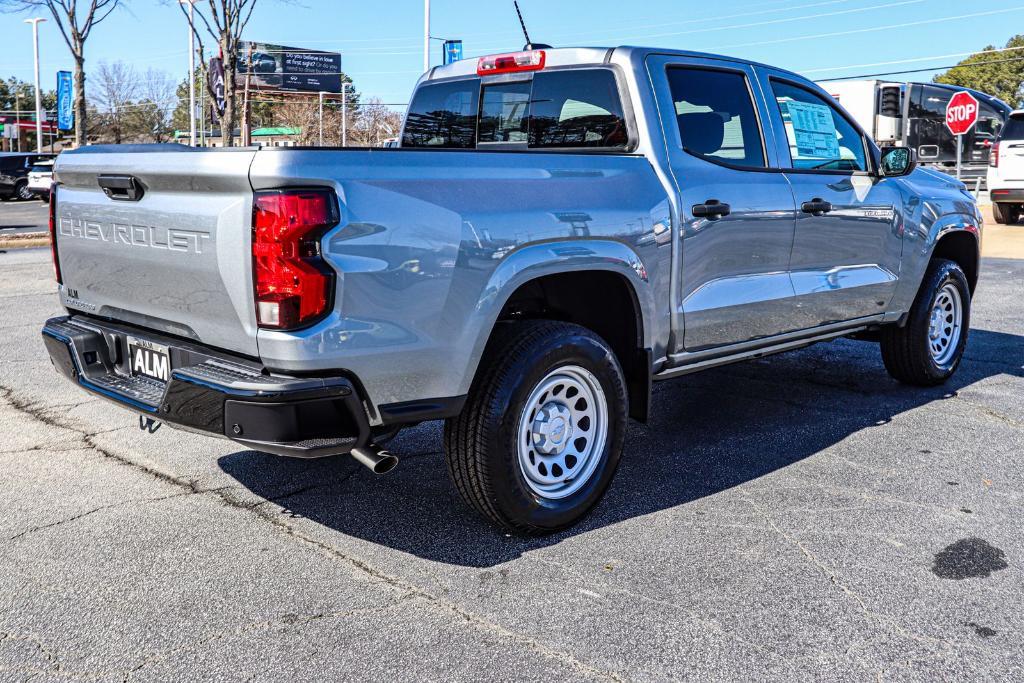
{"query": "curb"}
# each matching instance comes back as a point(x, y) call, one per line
point(25, 240)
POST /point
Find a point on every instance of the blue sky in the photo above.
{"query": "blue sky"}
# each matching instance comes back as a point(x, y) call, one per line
point(381, 42)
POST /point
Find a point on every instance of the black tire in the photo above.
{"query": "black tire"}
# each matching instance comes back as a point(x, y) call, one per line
point(905, 350)
point(999, 212)
point(481, 443)
point(22, 192)
point(1013, 216)
point(45, 198)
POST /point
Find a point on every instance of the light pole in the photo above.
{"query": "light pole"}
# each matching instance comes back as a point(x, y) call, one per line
point(39, 101)
point(191, 73)
point(426, 36)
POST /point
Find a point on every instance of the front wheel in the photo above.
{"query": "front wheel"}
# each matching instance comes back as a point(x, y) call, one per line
point(22, 191)
point(540, 437)
point(928, 349)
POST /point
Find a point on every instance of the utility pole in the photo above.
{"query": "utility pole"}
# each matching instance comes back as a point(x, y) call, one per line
point(246, 111)
point(191, 73)
point(202, 104)
point(426, 36)
point(39, 100)
point(344, 114)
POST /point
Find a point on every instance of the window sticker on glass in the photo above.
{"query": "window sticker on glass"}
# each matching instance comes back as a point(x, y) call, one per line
point(814, 130)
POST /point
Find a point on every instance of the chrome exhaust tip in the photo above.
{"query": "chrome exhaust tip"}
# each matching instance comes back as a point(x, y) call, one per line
point(374, 458)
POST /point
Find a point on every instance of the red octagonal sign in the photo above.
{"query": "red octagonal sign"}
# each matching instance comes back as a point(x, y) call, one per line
point(961, 112)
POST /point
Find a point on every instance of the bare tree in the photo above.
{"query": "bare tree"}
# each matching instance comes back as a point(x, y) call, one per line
point(223, 21)
point(116, 86)
point(76, 22)
point(374, 123)
point(149, 117)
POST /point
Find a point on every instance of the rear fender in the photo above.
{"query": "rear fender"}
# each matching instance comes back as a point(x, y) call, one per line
point(552, 258)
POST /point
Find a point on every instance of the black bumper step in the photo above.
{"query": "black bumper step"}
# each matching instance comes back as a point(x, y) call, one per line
point(211, 392)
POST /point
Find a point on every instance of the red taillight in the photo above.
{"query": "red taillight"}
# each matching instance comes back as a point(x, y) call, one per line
point(531, 60)
point(292, 283)
point(53, 233)
point(993, 156)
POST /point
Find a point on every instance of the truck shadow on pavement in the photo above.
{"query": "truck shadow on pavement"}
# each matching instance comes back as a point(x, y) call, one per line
point(709, 432)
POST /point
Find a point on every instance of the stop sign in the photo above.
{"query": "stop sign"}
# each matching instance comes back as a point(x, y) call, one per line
point(961, 113)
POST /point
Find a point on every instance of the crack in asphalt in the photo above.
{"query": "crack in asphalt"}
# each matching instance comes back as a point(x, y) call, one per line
point(356, 564)
point(849, 592)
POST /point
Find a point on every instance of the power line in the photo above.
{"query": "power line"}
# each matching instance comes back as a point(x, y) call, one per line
point(916, 71)
point(914, 59)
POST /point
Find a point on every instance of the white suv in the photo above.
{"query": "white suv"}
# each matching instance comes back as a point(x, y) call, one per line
point(1006, 171)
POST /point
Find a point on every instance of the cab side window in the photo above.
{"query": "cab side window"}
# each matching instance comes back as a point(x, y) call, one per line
point(820, 138)
point(716, 116)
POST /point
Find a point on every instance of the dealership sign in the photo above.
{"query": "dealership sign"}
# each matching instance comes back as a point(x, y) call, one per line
point(275, 67)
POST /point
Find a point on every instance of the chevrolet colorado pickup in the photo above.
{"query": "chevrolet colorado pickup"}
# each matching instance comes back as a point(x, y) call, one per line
point(558, 229)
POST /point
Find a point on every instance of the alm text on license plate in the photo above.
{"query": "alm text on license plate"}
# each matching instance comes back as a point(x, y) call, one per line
point(149, 359)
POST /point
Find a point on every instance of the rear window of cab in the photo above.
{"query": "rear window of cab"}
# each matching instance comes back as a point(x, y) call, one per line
point(561, 109)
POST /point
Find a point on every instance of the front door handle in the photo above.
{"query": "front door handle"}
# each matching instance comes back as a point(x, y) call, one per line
point(816, 207)
point(712, 209)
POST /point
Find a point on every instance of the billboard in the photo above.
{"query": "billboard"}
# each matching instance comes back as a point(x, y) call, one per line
point(276, 67)
point(65, 113)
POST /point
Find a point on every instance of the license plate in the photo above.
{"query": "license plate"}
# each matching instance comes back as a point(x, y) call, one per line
point(148, 359)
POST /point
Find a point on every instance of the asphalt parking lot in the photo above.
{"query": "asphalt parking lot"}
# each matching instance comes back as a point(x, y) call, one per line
point(798, 517)
point(20, 217)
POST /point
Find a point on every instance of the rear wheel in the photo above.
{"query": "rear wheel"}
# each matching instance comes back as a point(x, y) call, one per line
point(927, 350)
point(1007, 214)
point(542, 431)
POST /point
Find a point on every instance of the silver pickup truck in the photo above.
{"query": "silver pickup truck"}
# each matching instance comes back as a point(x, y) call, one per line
point(559, 229)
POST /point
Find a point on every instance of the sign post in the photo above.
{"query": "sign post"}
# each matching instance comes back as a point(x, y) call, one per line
point(961, 115)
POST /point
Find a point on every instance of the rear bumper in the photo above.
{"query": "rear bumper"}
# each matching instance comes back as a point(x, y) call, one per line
point(1007, 195)
point(211, 392)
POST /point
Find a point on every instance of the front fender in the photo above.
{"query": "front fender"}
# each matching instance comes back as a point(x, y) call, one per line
point(919, 247)
point(552, 258)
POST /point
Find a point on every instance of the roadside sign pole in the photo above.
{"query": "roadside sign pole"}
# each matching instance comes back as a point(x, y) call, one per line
point(959, 153)
point(961, 115)
point(320, 119)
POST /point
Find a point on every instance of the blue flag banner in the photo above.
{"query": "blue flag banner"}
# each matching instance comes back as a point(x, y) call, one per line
point(452, 51)
point(65, 112)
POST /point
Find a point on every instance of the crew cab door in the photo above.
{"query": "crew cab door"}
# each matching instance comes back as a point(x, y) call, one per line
point(737, 221)
point(848, 243)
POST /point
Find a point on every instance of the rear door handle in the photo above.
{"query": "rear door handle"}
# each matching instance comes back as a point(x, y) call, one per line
point(816, 207)
point(123, 188)
point(712, 209)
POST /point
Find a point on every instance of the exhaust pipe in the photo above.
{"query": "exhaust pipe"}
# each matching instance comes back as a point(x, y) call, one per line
point(375, 458)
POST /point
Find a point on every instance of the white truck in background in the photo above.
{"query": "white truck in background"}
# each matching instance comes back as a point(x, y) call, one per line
point(914, 115)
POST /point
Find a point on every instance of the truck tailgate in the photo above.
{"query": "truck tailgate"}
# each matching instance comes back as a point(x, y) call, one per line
point(178, 258)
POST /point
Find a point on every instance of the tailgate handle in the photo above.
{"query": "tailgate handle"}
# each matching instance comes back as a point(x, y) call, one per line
point(123, 188)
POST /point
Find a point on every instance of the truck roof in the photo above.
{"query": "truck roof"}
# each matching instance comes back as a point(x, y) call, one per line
point(570, 56)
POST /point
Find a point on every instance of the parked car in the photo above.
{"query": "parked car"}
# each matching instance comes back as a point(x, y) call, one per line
point(40, 177)
point(14, 170)
point(559, 230)
point(1006, 171)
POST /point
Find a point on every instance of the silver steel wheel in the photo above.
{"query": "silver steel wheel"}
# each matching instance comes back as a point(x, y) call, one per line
point(946, 324)
point(562, 432)
point(24, 193)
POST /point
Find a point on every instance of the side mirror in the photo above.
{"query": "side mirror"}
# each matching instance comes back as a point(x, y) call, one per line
point(897, 161)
